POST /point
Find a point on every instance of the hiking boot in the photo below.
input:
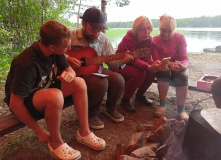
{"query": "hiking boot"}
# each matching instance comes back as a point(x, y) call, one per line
point(144, 100)
point(95, 123)
point(127, 107)
point(115, 115)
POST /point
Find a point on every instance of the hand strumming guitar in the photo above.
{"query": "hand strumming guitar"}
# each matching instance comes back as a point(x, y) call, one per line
point(75, 63)
point(127, 58)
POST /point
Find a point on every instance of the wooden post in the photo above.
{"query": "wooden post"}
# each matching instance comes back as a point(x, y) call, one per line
point(103, 9)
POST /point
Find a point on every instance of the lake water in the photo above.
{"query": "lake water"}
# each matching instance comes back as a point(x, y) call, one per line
point(197, 38)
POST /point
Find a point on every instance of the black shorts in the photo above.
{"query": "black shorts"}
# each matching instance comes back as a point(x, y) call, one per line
point(29, 104)
point(32, 110)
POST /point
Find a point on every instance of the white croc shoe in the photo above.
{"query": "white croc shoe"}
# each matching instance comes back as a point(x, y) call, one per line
point(64, 152)
point(91, 141)
point(160, 111)
point(184, 116)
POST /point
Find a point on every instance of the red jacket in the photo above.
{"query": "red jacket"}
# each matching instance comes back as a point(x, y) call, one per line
point(131, 43)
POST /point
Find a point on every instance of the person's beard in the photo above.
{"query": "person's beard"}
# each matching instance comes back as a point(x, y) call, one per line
point(89, 38)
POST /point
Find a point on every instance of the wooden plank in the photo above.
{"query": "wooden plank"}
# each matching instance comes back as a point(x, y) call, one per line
point(10, 123)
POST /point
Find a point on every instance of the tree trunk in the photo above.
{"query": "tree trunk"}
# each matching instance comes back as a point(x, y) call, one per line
point(103, 9)
point(78, 16)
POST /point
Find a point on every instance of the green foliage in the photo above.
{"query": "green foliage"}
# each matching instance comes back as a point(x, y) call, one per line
point(202, 21)
point(119, 3)
point(5, 65)
point(122, 3)
point(20, 21)
point(25, 17)
point(5, 41)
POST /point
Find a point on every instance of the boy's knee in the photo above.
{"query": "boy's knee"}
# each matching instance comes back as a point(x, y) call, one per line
point(55, 97)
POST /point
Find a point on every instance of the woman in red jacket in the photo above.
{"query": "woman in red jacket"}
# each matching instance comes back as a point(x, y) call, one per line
point(139, 73)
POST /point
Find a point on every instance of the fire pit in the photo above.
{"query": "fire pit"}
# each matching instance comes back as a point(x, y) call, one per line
point(202, 139)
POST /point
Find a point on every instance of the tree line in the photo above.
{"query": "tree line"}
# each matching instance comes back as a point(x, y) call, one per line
point(202, 21)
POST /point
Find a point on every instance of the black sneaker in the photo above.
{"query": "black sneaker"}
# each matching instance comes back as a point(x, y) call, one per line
point(144, 100)
point(127, 107)
point(95, 123)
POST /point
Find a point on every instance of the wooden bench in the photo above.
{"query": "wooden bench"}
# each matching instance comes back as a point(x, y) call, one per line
point(10, 123)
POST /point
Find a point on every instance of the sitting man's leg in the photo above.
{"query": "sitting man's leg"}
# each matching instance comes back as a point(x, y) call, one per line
point(96, 90)
point(115, 88)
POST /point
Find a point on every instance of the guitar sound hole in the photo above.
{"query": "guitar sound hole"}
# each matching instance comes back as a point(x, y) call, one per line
point(84, 61)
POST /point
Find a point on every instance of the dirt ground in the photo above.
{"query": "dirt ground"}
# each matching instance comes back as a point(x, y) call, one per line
point(23, 144)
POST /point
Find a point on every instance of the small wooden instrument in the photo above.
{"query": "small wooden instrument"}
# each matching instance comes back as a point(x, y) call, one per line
point(91, 60)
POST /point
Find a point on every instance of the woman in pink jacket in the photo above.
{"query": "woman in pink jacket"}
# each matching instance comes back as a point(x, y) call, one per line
point(172, 44)
point(140, 72)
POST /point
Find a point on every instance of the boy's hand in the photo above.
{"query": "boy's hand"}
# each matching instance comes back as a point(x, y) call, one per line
point(66, 77)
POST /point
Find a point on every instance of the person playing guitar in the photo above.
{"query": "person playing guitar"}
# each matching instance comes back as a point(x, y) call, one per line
point(93, 22)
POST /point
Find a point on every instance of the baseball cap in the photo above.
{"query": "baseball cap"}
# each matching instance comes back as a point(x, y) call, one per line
point(95, 17)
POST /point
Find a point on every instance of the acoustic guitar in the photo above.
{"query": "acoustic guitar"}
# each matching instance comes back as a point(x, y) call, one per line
point(91, 60)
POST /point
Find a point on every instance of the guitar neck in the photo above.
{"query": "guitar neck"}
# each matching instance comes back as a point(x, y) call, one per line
point(102, 59)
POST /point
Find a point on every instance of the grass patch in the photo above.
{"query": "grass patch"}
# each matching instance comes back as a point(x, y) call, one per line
point(20, 140)
point(115, 33)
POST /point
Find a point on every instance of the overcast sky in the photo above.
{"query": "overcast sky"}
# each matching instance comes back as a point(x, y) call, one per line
point(154, 8)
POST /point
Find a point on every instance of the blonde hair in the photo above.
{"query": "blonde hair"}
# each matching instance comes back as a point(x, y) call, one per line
point(139, 23)
point(166, 20)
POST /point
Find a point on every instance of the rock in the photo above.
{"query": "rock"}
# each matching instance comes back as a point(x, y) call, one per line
point(119, 151)
point(179, 127)
point(159, 121)
point(151, 158)
point(126, 157)
point(171, 122)
point(160, 134)
point(153, 145)
point(143, 152)
point(145, 127)
point(135, 141)
point(162, 151)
